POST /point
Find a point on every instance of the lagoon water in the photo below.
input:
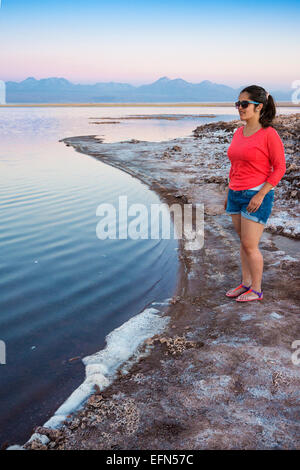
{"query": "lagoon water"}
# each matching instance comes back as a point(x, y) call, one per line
point(62, 288)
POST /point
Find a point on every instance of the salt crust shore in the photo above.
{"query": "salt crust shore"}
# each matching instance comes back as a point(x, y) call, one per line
point(220, 375)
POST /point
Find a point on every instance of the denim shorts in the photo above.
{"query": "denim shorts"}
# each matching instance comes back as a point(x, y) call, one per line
point(238, 201)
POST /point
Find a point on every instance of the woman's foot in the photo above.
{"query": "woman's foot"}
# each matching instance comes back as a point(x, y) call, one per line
point(250, 295)
point(237, 290)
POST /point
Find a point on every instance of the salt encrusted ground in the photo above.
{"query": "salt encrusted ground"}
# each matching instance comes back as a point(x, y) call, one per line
point(221, 376)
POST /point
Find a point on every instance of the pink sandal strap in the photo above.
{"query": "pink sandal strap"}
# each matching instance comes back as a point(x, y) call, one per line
point(241, 285)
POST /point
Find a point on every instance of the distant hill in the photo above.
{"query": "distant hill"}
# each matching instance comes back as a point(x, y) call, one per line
point(164, 90)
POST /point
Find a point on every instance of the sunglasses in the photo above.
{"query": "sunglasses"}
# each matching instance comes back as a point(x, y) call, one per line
point(244, 103)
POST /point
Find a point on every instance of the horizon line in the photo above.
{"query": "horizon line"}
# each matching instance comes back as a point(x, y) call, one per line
point(146, 104)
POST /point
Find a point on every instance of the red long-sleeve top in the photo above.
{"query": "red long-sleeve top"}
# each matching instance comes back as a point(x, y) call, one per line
point(256, 159)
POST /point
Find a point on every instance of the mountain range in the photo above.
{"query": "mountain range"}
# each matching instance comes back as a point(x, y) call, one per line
point(163, 90)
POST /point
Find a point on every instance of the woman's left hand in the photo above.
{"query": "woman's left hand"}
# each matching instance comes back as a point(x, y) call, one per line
point(255, 203)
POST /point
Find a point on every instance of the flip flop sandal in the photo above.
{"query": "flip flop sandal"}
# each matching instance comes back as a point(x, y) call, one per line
point(260, 296)
point(236, 295)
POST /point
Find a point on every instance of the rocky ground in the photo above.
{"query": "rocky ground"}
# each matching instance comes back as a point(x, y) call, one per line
point(221, 376)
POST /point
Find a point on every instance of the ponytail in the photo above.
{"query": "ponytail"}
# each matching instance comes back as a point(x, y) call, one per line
point(268, 111)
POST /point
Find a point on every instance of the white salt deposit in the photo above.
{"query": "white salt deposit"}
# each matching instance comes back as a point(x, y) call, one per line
point(275, 315)
point(291, 226)
point(100, 368)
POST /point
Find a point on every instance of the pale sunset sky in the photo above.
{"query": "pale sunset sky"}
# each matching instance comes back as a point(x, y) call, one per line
point(137, 42)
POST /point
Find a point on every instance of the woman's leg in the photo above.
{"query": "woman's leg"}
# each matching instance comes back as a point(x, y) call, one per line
point(251, 233)
point(246, 274)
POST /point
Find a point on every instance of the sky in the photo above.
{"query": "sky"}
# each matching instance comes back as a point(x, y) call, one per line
point(137, 42)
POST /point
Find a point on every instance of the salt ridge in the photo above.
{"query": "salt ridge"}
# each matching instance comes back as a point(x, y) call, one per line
point(100, 368)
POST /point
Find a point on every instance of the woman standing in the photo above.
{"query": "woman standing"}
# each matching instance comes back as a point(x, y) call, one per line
point(257, 165)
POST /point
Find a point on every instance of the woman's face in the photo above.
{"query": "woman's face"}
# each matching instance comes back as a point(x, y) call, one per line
point(250, 111)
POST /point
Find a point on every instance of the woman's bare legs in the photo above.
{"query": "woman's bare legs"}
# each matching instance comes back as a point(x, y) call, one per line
point(251, 233)
point(246, 273)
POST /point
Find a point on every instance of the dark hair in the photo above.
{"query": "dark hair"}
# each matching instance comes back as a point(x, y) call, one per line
point(268, 111)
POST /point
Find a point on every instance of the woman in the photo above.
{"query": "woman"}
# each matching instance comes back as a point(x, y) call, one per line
point(255, 148)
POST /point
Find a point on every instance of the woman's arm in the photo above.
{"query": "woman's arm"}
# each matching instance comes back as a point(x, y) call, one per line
point(277, 158)
point(265, 189)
